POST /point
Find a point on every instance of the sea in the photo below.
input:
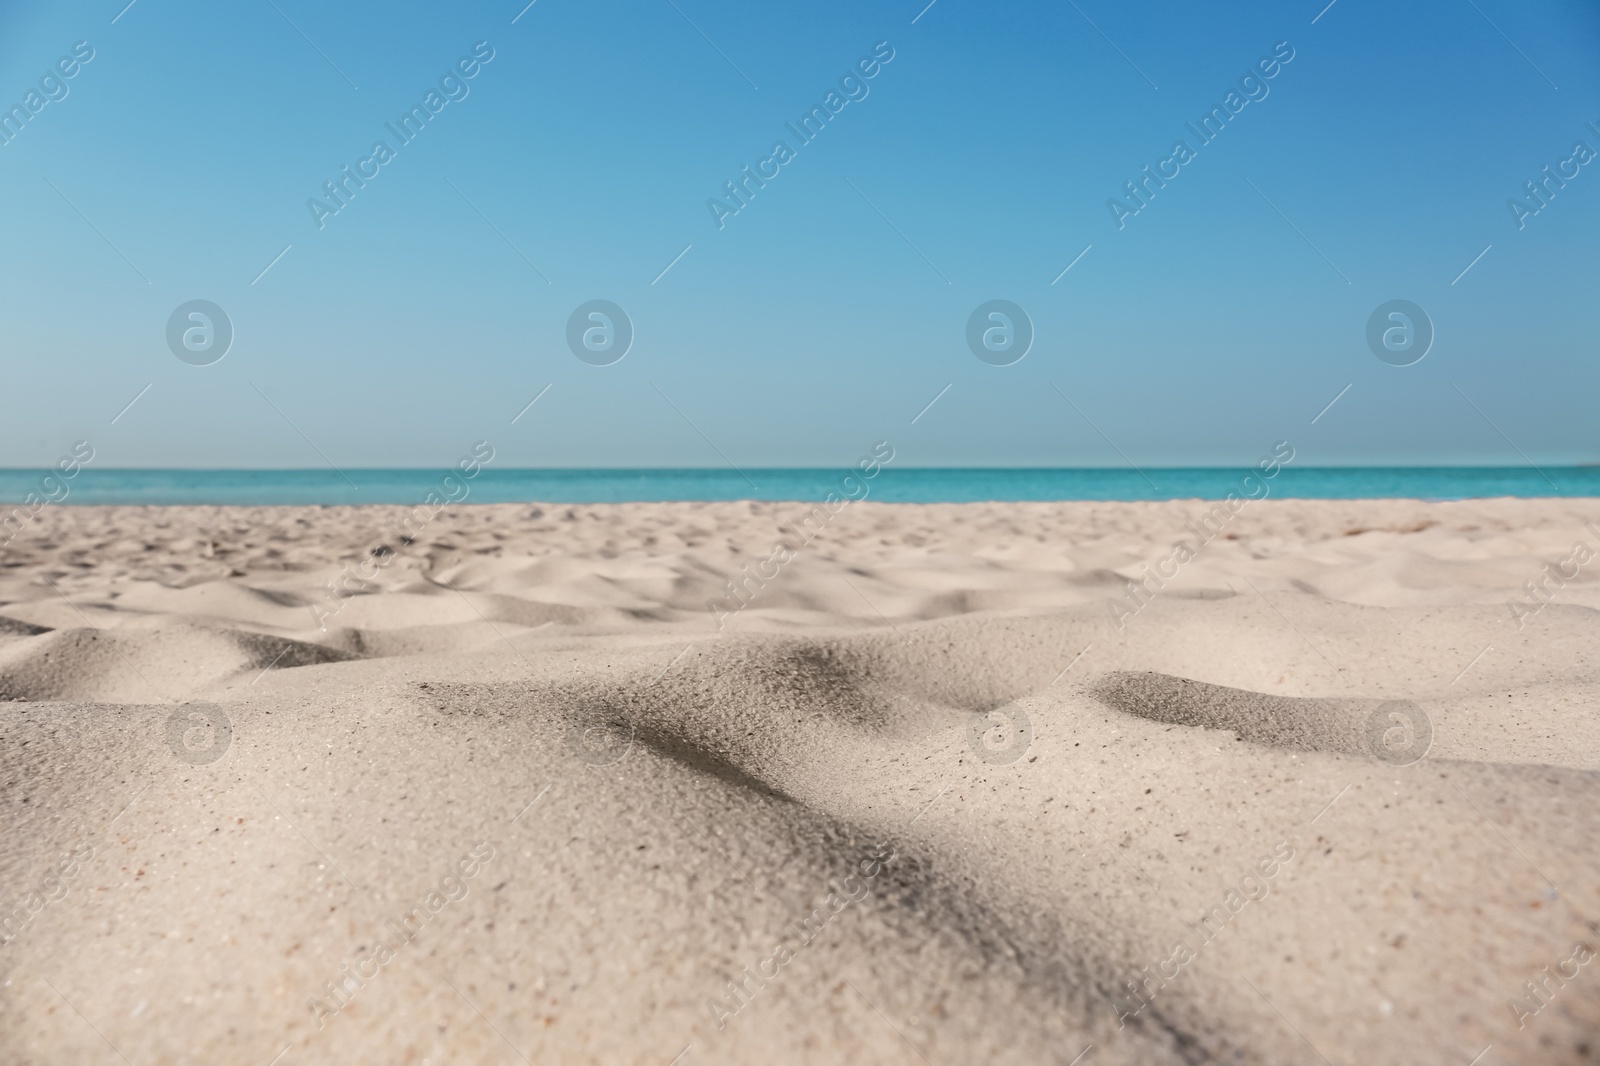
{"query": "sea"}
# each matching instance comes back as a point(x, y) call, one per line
point(892, 485)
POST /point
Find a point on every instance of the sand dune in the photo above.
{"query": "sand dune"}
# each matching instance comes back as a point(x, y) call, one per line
point(515, 795)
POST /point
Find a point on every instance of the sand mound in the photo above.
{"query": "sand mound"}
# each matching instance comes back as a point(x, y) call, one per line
point(1396, 730)
point(927, 796)
point(145, 663)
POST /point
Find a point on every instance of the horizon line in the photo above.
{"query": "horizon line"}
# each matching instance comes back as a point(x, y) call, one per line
point(1286, 468)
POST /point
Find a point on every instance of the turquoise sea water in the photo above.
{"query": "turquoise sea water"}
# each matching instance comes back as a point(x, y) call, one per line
point(893, 484)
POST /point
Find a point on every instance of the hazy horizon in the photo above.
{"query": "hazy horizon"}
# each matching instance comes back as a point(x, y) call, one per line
point(703, 468)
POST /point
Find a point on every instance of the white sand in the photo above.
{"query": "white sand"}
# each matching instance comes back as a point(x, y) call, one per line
point(696, 792)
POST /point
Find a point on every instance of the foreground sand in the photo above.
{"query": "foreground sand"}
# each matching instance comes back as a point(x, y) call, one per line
point(527, 802)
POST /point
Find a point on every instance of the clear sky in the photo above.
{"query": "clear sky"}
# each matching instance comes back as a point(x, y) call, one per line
point(976, 164)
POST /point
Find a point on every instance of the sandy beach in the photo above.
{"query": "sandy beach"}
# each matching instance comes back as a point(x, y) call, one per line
point(1093, 783)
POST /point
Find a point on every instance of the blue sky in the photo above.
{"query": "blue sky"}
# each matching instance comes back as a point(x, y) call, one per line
point(830, 310)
